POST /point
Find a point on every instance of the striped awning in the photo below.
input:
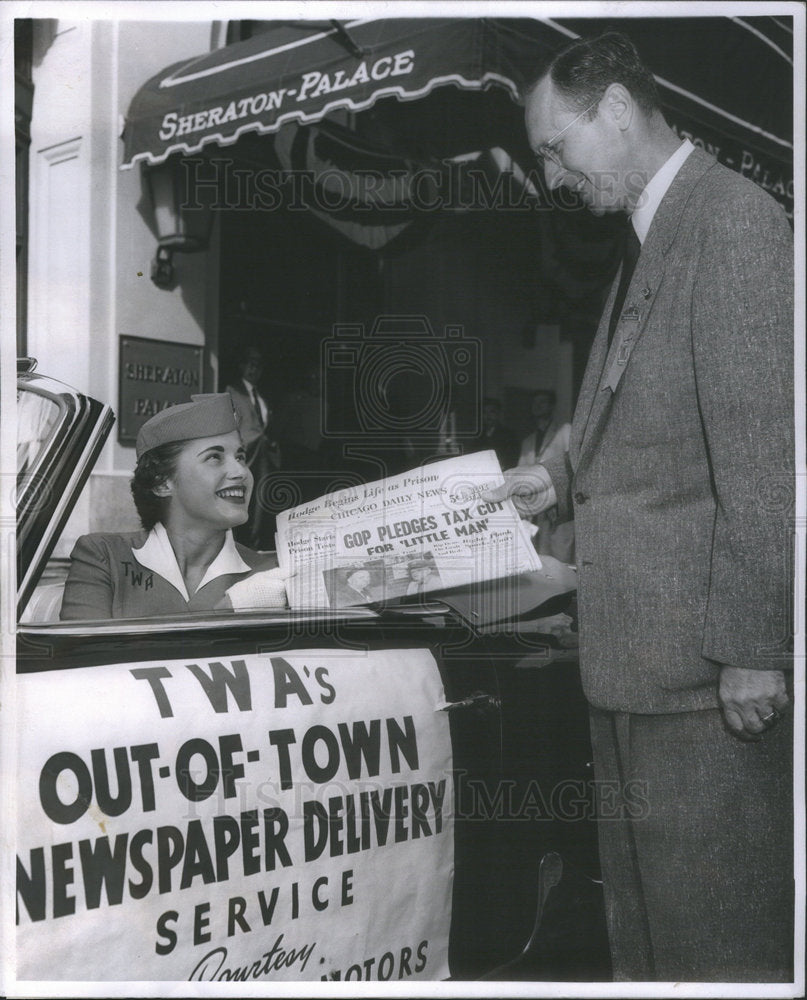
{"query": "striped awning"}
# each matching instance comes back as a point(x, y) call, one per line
point(725, 81)
point(298, 73)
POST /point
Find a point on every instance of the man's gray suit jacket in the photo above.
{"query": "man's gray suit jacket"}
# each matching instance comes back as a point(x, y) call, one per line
point(680, 467)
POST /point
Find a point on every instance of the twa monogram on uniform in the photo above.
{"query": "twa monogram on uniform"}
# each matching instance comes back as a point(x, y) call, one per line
point(137, 577)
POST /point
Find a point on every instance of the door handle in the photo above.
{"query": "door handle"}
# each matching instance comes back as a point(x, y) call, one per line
point(479, 700)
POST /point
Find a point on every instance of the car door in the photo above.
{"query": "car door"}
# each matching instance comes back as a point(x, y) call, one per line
point(96, 696)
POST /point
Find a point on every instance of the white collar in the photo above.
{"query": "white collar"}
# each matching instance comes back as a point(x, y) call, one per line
point(656, 188)
point(157, 554)
point(249, 385)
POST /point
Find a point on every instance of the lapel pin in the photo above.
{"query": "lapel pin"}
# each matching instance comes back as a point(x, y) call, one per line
point(646, 292)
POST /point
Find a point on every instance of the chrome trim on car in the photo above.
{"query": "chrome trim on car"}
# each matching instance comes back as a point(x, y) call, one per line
point(226, 620)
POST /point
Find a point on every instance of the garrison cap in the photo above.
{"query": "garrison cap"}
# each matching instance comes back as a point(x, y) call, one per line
point(206, 415)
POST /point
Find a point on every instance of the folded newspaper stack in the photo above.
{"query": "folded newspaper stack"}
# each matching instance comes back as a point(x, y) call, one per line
point(423, 531)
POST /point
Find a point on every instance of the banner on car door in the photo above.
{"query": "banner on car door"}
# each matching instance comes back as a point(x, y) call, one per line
point(261, 818)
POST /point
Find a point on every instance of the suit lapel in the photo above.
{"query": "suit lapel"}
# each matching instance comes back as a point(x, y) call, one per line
point(607, 367)
point(588, 390)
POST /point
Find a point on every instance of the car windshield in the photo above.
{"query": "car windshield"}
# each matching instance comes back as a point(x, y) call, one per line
point(37, 419)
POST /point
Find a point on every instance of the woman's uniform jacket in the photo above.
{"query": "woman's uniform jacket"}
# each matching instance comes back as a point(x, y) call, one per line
point(680, 466)
point(134, 575)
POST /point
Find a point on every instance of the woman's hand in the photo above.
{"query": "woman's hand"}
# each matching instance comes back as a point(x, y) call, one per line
point(261, 590)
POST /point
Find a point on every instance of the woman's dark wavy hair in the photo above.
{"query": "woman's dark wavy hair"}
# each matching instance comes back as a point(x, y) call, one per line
point(152, 469)
point(584, 70)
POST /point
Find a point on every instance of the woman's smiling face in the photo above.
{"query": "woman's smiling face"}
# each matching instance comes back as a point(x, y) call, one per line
point(211, 485)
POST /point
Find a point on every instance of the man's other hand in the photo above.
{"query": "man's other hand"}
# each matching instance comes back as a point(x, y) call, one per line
point(752, 700)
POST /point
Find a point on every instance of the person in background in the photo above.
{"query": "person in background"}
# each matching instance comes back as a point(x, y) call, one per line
point(252, 406)
point(255, 422)
point(549, 440)
point(494, 435)
point(191, 487)
point(683, 433)
point(550, 437)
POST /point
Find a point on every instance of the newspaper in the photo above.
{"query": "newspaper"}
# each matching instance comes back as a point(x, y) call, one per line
point(426, 530)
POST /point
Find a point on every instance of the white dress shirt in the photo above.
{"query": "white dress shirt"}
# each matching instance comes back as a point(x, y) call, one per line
point(656, 188)
point(253, 394)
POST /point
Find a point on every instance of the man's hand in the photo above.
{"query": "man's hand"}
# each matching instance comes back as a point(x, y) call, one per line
point(752, 700)
point(529, 487)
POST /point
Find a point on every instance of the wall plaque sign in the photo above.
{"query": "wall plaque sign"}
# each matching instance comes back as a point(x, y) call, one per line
point(154, 374)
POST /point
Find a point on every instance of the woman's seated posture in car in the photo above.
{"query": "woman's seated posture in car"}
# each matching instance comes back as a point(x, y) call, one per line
point(191, 486)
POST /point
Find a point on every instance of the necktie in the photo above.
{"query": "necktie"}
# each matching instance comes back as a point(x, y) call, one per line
point(256, 403)
point(631, 254)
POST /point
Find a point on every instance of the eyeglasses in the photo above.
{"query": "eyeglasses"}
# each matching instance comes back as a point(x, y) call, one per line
point(547, 152)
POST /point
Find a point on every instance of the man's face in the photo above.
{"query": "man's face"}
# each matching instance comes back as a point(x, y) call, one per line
point(542, 406)
point(252, 367)
point(587, 154)
point(359, 580)
point(490, 414)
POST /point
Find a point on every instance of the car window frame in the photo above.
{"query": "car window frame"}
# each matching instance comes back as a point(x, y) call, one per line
point(47, 492)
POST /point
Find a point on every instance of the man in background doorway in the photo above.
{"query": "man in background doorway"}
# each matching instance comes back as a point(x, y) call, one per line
point(550, 439)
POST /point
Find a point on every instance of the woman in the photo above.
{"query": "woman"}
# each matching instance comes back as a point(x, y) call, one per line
point(191, 487)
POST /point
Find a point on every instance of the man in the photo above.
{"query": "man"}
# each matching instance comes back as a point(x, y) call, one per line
point(423, 577)
point(253, 409)
point(255, 419)
point(683, 427)
point(550, 439)
point(357, 589)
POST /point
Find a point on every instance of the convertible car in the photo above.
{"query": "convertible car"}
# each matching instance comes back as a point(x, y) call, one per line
point(373, 794)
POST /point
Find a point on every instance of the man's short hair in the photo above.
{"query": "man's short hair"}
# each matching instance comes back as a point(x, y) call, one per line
point(245, 349)
point(583, 71)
